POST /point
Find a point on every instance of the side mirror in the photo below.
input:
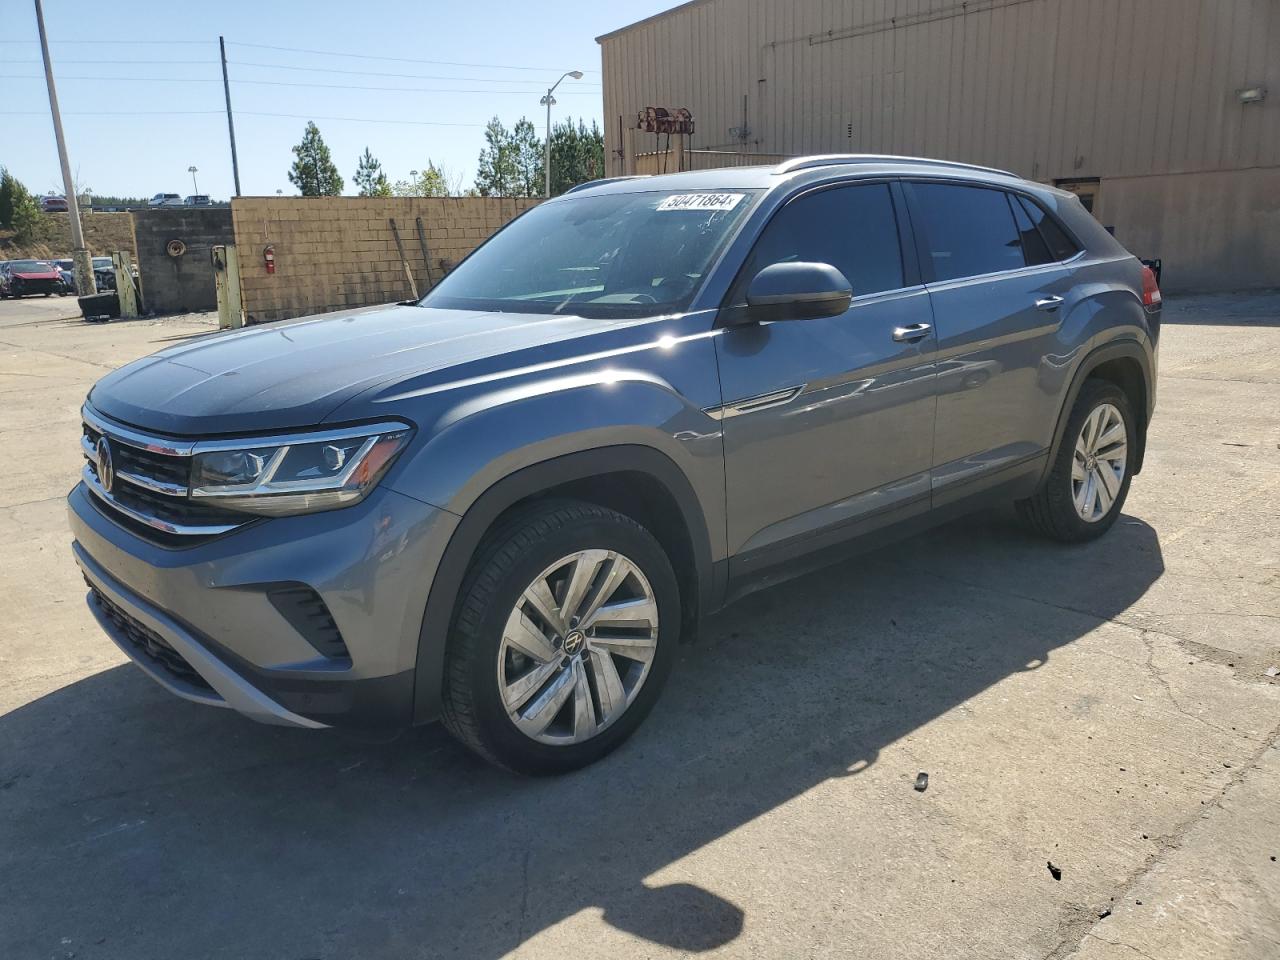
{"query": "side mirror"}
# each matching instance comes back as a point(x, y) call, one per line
point(797, 291)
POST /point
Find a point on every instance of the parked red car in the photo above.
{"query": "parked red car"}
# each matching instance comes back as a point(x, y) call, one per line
point(21, 278)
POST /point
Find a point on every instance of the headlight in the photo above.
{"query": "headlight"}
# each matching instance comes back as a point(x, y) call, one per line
point(306, 473)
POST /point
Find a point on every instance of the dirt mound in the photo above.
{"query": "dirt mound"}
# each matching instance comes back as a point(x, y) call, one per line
point(104, 233)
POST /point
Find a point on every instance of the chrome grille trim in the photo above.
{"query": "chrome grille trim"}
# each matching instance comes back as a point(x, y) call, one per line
point(90, 480)
point(164, 512)
point(146, 483)
point(132, 438)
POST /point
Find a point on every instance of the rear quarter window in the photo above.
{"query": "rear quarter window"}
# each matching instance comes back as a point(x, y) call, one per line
point(1061, 246)
point(970, 231)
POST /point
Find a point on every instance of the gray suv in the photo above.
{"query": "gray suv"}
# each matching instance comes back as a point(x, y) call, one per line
point(505, 506)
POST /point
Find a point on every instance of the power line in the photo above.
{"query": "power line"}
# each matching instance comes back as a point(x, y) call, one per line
point(113, 60)
point(315, 86)
point(283, 66)
point(370, 56)
point(109, 41)
point(109, 113)
point(239, 113)
point(304, 116)
point(379, 73)
point(357, 86)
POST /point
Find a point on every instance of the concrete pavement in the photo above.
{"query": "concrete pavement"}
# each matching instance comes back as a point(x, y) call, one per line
point(1104, 708)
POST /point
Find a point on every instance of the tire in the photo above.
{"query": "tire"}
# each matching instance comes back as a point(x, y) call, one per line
point(481, 661)
point(1053, 510)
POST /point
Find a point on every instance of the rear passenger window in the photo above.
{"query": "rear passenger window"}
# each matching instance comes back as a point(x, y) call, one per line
point(1061, 247)
point(970, 230)
point(1034, 248)
point(852, 228)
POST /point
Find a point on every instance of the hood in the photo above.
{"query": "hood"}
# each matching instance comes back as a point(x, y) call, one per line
point(37, 274)
point(293, 374)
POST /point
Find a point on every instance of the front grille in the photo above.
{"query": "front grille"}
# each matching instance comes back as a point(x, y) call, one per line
point(149, 644)
point(150, 488)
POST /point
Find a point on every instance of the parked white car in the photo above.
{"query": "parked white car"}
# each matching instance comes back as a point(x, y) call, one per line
point(165, 200)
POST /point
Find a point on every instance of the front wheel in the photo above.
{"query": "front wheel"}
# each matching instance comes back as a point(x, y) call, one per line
point(564, 637)
point(1089, 478)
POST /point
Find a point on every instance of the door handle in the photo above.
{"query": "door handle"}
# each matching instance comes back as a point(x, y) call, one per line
point(1049, 303)
point(917, 331)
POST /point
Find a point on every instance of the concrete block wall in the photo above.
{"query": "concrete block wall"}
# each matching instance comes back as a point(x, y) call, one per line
point(184, 283)
point(335, 253)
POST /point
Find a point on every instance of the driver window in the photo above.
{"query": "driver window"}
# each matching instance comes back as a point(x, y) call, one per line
point(852, 228)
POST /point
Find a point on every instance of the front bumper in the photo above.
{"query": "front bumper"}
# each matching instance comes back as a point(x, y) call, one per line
point(201, 621)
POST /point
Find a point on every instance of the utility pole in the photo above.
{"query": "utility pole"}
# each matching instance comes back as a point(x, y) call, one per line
point(549, 101)
point(231, 126)
point(195, 187)
point(84, 265)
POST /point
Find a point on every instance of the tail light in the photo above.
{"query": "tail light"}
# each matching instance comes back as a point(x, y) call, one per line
point(1150, 288)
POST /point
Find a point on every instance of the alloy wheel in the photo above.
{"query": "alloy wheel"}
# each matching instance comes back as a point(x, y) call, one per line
point(577, 647)
point(1099, 462)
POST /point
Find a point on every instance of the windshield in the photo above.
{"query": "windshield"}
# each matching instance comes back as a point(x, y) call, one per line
point(102, 263)
point(618, 255)
point(29, 266)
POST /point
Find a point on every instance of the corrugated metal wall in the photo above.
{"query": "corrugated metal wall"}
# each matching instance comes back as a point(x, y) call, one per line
point(665, 161)
point(1048, 88)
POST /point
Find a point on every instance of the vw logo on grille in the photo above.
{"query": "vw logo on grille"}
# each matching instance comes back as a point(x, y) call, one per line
point(106, 469)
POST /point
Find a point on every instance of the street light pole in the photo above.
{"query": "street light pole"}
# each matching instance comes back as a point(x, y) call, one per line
point(549, 100)
point(195, 187)
point(84, 266)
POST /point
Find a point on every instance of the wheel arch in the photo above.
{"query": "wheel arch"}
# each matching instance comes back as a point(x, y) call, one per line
point(640, 482)
point(1127, 364)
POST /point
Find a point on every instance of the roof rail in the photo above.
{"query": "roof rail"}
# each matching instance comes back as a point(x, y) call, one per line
point(835, 159)
point(595, 183)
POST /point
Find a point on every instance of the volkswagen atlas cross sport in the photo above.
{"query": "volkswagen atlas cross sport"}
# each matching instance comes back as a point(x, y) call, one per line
point(504, 506)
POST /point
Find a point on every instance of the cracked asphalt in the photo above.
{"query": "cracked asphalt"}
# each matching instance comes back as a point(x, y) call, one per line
point(1105, 708)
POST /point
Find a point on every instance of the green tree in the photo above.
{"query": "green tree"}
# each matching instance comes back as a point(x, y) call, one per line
point(7, 182)
point(19, 210)
point(577, 155)
point(529, 159)
point(510, 165)
point(369, 178)
point(497, 171)
point(313, 171)
point(432, 182)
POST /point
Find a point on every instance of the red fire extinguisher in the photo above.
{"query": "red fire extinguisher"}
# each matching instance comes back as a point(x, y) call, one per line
point(269, 258)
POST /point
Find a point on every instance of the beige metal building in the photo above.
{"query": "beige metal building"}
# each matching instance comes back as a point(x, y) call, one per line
point(1164, 115)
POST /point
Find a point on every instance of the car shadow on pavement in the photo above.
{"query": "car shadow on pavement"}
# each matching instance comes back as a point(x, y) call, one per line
point(133, 824)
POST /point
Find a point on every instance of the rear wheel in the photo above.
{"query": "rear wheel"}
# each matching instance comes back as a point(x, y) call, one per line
point(1089, 478)
point(563, 639)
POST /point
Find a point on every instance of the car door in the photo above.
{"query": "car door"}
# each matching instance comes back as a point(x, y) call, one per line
point(998, 302)
point(828, 422)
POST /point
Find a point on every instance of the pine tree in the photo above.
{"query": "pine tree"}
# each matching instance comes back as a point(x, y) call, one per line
point(369, 178)
point(497, 171)
point(577, 155)
point(19, 210)
point(313, 172)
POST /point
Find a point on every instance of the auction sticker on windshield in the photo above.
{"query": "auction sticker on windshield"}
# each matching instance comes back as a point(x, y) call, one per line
point(701, 201)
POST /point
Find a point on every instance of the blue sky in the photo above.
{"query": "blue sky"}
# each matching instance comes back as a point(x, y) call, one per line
point(511, 51)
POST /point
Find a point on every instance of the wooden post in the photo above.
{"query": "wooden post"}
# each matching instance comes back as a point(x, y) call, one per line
point(426, 257)
point(628, 152)
point(678, 157)
point(126, 291)
point(226, 278)
point(408, 274)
